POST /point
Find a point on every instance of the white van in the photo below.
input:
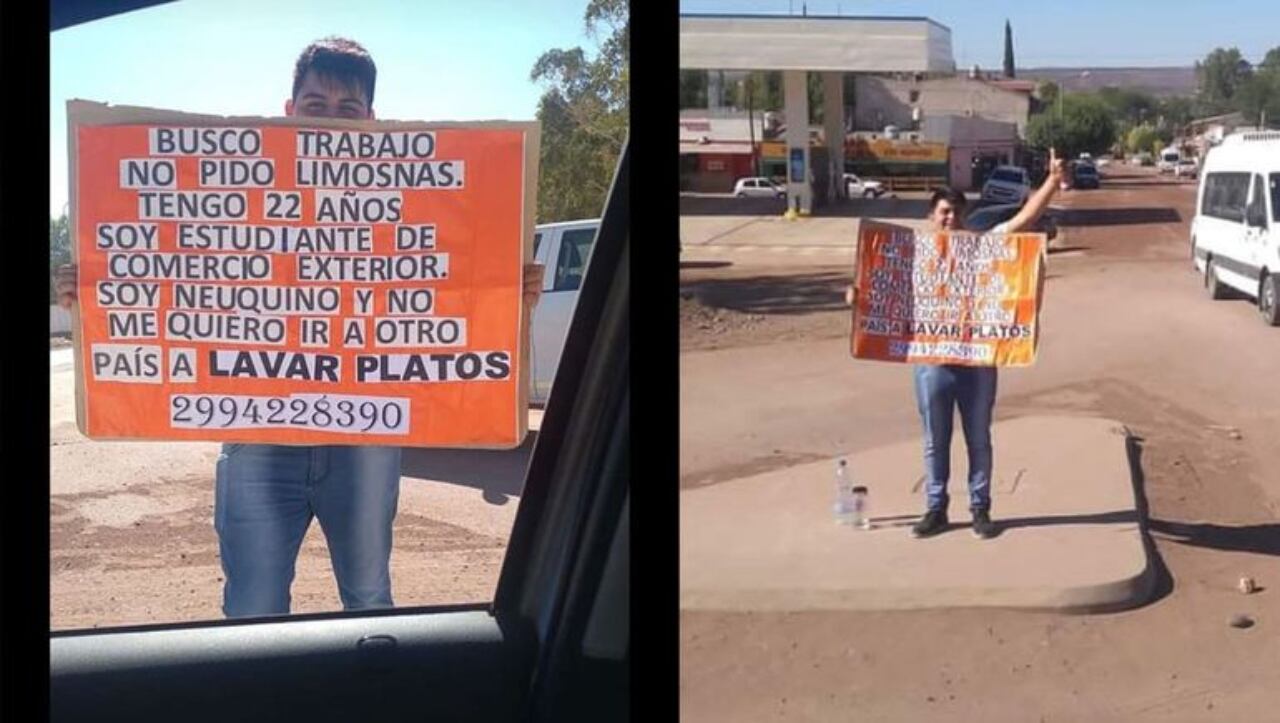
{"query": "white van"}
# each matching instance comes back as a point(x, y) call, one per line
point(1235, 236)
point(563, 249)
point(1169, 158)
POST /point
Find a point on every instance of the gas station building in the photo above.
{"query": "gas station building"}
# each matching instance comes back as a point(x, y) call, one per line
point(829, 45)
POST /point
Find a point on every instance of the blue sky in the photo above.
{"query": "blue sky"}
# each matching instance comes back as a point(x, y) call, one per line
point(436, 60)
point(1103, 33)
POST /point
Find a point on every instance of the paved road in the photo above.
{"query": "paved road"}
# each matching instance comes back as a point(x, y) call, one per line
point(1128, 333)
point(750, 232)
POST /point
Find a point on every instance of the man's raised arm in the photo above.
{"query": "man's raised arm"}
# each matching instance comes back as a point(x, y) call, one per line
point(1039, 201)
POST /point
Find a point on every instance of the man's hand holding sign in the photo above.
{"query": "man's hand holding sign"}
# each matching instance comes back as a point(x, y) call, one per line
point(957, 305)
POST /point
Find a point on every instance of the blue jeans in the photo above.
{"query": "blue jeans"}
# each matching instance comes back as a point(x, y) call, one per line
point(265, 498)
point(939, 389)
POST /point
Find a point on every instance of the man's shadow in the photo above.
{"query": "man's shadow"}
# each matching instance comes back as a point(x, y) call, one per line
point(498, 474)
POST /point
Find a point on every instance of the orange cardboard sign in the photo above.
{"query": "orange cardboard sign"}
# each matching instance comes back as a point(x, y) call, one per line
point(300, 281)
point(947, 298)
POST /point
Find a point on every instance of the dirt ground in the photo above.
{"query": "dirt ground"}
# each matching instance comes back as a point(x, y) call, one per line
point(742, 307)
point(1197, 398)
point(132, 539)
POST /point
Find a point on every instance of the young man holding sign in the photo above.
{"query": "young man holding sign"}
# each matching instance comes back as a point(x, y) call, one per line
point(266, 495)
point(941, 388)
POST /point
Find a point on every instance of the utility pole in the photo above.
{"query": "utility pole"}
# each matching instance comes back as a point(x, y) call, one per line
point(751, 125)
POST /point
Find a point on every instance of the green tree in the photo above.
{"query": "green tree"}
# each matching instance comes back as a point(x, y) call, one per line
point(693, 89)
point(1008, 49)
point(1128, 105)
point(1141, 138)
point(735, 86)
point(1048, 92)
point(813, 82)
point(1177, 111)
point(1258, 97)
point(1271, 61)
point(1220, 75)
point(759, 87)
point(59, 248)
point(585, 112)
point(1084, 125)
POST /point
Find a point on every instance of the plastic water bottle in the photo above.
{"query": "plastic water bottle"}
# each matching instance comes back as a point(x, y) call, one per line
point(844, 504)
point(859, 516)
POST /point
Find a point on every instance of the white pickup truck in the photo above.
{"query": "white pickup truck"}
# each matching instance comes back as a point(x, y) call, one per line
point(563, 249)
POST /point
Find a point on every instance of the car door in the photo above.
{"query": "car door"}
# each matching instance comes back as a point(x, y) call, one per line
point(1227, 196)
point(1212, 226)
point(1256, 232)
point(567, 254)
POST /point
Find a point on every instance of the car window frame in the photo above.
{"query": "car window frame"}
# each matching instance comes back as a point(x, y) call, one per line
point(537, 542)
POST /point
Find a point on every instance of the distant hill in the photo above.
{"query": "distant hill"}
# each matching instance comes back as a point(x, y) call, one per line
point(1156, 81)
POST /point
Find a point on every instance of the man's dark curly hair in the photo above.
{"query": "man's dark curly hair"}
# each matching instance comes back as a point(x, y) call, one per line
point(950, 195)
point(337, 59)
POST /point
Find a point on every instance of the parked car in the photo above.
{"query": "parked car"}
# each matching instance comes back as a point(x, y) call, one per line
point(988, 217)
point(1235, 235)
point(1169, 158)
point(758, 187)
point(1084, 176)
point(563, 249)
point(855, 187)
point(1186, 168)
point(1007, 184)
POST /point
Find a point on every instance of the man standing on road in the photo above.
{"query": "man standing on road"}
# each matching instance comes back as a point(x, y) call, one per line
point(940, 388)
point(266, 494)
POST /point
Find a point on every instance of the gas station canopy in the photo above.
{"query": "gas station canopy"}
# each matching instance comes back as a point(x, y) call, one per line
point(815, 43)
